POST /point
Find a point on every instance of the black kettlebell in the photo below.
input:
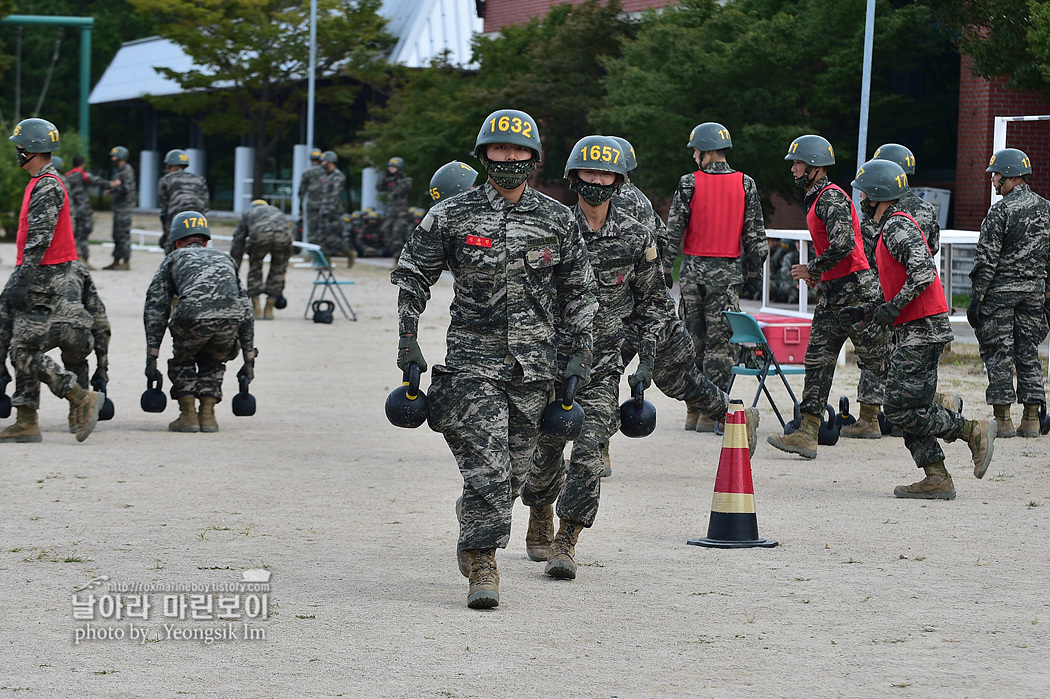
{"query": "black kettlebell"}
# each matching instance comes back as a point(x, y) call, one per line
point(844, 419)
point(153, 399)
point(280, 303)
point(828, 434)
point(107, 411)
point(243, 403)
point(407, 406)
point(323, 311)
point(5, 400)
point(795, 422)
point(1044, 419)
point(637, 415)
point(885, 426)
point(564, 418)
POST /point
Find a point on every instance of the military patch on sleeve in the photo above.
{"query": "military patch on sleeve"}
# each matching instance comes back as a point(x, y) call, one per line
point(427, 222)
point(650, 254)
point(479, 242)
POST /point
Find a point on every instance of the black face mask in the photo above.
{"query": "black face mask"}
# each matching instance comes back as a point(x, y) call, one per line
point(867, 207)
point(509, 174)
point(804, 182)
point(593, 194)
point(23, 157)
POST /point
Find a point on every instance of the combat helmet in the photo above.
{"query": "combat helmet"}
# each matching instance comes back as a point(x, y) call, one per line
point(710, 136)
point(1010, 162)
point(329, 156)
point(118, 153)
point(189, 223)
point(899, 154)
point(397, 162)
point(36, 136)
point(812, 150)
point(509, 126)
point(628, 153)
point(57, 161)
point(177, 156)
point(881, 180)
point(597, 153)
point(451, 179)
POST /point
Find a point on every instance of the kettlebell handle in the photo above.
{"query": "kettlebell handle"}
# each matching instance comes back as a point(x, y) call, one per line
point(157, 379)
point(570, 392)
point(411, 379)
point(638, 393)
point(243, 382)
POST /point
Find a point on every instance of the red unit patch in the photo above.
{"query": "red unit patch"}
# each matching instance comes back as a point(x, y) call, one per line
point(479, 242)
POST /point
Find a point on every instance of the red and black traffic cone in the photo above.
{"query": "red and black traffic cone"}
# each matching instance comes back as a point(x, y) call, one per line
point(733, 522)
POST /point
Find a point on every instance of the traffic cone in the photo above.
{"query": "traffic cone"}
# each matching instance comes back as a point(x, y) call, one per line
point(733, 522)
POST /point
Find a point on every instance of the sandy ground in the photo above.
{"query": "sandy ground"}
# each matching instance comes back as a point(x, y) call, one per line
point(866, 596)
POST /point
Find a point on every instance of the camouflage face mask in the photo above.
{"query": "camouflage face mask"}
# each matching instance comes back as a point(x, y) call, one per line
point(593, 194)
point(804, 181)
point(509, 174)
point(868, 207)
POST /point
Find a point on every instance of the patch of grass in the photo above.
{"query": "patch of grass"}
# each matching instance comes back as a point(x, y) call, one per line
point(305, 616)
point(72, 559)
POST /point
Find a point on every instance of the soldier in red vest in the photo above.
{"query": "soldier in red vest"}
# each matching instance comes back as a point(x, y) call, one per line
point(845, 278)
point(715, 213)
point(45, 248)
point(913, 304)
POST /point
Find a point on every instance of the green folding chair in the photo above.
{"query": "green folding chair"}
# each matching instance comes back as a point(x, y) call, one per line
point(326, 280)
point(747, 333)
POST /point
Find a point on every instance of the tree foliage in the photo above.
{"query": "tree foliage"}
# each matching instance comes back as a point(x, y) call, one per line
point(251, 60)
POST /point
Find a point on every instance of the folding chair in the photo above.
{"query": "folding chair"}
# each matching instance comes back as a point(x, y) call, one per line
point(326, 280)
point(747, 333)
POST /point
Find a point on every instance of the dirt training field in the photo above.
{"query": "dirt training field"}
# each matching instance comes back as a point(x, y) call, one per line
point(866, 595)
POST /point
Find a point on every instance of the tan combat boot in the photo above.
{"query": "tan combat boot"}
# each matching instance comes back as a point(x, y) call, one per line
point(256, 308)
point(751, 418)
point(692, 416)
point(115, 264)
point(803, 441)
point(563, 550)
point(187, 420)
point(866, 426)
point(85, 405)
point(705, 424)
point(271, 303)
point(937, 485)
point(606, 461)
point(25, 428)
point(1004, 424)
point(484, 579)
point(949, 401)
point(462, 557)
point(540, 534)
point(125, 265)
point(1029, 426)
point(72, 419)
point(351, 258)
point(206, 416)
point(980, 436)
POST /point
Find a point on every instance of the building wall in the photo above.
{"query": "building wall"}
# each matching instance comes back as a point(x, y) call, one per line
point(980, 101)
point(500, 13)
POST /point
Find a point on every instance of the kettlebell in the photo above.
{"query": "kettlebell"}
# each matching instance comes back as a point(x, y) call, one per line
point(323, 310)
point(637, 415)
point(828, 434)
point(885, 426)
point(795, 422)
point(844, 419)
point(107, 411)
point(280, 303)
point(243, 403)
point(5, 400)
point(564, 418)
point(1044, 419)
point(153, 399)
point(407, 406)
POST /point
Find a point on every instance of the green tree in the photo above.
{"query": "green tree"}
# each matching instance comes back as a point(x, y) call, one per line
point(251, 59)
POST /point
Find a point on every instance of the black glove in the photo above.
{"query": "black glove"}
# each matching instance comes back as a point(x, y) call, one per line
point(101, 375)
point(4, 373)
point(851, 315)
point(886, 314)
point(668, 280)
point(408, 352)
point(151, 368)
point(643, 374)
point(973, 312)
point(18, 295)
point(1046, 307)
point(248, 369)
point(580, 367)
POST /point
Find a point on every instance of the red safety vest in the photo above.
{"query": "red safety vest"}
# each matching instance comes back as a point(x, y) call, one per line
point(892, 275)
point(853, 262)
point(79, 171)
point(63, 247)
point(716, 215)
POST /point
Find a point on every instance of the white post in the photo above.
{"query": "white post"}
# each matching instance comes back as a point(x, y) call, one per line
point(369, 196)
point(198, 161)
point(998, 143)
point(311, 92)
point(149, 169)
point(243, 163)
point(865, 92)
point(300, 162)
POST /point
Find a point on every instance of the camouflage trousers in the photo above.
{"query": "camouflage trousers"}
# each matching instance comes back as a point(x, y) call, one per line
point(83, 225)
point(313, 226)
point(870, 388)
point(122, 234)
point(201, 350)
point(701, 309)
point(279, 248)
point(31, 336)
point(491, 427)
point(827, 336)
point(396, 229)
point(910, 386)
point(76, 344)
point(1012, 326)
point(332, 240)
point(576, 485)
point(675, 372)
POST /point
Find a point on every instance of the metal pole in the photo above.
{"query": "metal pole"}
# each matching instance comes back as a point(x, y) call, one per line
point(310, 79)
point(865, 91)
point(85, 84)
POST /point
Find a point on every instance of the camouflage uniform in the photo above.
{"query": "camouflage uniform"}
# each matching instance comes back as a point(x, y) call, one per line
point(330, 215)
point(263, 230)
point(77, 183)
point(782, 288)
point(860, 288)
point(1009, 277)
point(398, 224)
point(213, 316)
point(47, 285)
point(123, 198)
point(625, 262)
point(310, 201)
point(520, 270)
point(177, 192)
point(78, 326)
point(911, 379)
point(710, 285)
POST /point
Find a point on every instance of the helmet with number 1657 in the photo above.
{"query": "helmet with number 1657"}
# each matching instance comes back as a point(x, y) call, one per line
point(597, 153)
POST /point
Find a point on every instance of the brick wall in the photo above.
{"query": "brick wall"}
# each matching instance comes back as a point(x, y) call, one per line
point(500, 13)
point(980, 101)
